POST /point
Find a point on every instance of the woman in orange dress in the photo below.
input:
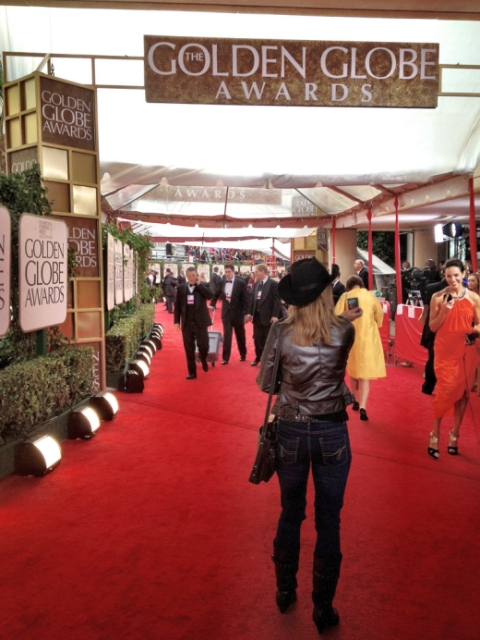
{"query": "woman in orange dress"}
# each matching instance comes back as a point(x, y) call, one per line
point(455, 312)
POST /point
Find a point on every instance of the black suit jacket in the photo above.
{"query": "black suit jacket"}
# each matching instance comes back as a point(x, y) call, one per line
point(240, 301)
point(338, 289)
point(215, 280)
point(201, 294)
point(363, 274)
point(268, 306)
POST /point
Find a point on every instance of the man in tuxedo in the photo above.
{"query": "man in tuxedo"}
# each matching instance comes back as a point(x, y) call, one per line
point(215, 280)
point(337, 287)
point(170, 289)
point(191, 309)
point(181, 278)
point(264, 309)
point(428, 337)
point(233, 293)
point(361, 271)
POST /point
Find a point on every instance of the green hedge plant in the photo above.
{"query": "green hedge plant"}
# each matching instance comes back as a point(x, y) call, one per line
point(33, 392)
point(122, 340)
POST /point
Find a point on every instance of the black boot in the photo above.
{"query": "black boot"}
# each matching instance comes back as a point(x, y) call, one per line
point(326, 572)
point(286, 567)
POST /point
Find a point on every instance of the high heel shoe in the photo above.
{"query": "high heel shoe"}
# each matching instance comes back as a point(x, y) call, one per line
point(355, 406)
point(452, 449)
point(363, 414)
point(434, 453)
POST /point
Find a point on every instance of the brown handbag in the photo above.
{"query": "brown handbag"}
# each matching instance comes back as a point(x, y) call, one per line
point(264, 465)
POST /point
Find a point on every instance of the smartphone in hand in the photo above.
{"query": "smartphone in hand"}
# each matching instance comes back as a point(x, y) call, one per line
point(352, 303)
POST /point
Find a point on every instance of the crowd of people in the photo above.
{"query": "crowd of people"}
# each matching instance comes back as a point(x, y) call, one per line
point(322, 330)
point(214, 254)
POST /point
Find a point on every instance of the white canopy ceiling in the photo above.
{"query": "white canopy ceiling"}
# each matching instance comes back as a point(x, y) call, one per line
point(340, 161)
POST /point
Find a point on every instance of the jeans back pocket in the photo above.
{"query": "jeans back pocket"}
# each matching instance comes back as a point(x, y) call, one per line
point(335, 451)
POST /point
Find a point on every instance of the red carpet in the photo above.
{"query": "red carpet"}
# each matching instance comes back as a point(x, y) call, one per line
point(151, 530)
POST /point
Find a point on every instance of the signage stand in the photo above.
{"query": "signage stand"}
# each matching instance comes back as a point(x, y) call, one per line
point(53, 122)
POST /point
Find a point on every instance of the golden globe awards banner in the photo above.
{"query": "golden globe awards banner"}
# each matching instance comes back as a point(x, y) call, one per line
point(306, 73)
point(110, 272)
point(43, 249)
point(5, 266)
point(68, 114)
point(82, 237)
point(128, 273)
point(118, 247)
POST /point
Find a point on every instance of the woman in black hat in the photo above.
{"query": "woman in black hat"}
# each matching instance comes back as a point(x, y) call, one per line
point(312, 430)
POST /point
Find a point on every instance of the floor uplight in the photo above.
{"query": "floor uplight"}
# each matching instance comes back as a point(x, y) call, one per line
point(105, 404)
point(140, 367)
point(83, 423)
point(37, 457)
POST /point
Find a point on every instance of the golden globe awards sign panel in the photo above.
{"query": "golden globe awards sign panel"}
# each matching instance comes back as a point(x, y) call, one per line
point(128, 273)
point(43, 249)
point(68, 114)
point(110, 272)
point(118, 245)
point(82, 237)
point(290, 72)
point(5, 265)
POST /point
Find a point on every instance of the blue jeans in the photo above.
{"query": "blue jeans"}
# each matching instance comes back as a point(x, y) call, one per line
point(326, 447)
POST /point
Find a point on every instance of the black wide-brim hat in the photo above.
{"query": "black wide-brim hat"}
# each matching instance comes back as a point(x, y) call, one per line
point(306, 281)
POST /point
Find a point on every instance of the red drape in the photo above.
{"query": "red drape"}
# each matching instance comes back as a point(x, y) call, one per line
point(398, 269)
point(370, 250)
point(473, 229)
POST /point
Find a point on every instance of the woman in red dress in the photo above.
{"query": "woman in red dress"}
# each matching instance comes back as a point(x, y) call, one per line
point(455, 312)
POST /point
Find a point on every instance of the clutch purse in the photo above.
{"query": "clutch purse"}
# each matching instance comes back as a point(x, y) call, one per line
point(264, 465)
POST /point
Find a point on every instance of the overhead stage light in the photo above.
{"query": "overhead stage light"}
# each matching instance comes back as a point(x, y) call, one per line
point(37, 457)
point(140, 367)
point(105, 404)
point(83, 423)
point(453, 230)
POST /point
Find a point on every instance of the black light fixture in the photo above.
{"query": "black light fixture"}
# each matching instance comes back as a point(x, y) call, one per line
point(452, 230)
point(133, 382)
point(105, 404)
point(37, 457)
point(159, 327)
point(83, 423)
point(150, 344)
point(157, 341)
point(140, 367)
point(143, 354)
point(148, 348)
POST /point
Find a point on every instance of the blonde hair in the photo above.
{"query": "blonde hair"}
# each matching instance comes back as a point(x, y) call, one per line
point(311, 324)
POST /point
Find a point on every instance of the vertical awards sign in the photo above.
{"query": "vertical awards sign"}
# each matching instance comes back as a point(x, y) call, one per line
point(110, 272)
point(128, 277)
point(68, 114)
point(82, 237)
point(43, 249)
point(5, 242)
point(118, 272)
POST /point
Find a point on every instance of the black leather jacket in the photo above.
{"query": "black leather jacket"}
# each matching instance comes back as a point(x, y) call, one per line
point(311, 378)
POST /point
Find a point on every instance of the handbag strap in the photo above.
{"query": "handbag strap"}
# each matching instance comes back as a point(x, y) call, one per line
point(273, 383)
